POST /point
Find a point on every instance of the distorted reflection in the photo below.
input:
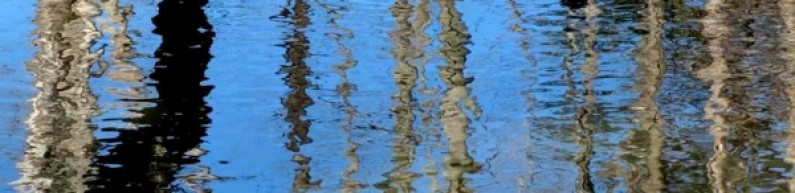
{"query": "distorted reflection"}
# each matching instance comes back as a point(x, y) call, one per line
point(344, 89)
point(421, 40)
point(60, 135)
point(587, 11)
point(454, 38)
point(400, 177)
point(297, 50)
point(648, 140)
point(787, 8)
point(121, 69)
point(581, 95)
point(717, 72)
point(168, 135)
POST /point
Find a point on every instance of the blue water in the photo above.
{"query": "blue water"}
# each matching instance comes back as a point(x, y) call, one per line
point(403, 96)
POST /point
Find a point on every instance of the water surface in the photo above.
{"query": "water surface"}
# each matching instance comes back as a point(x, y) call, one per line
point(397, 96)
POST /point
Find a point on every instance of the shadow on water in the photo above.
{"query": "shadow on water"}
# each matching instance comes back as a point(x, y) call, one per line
point(296, 102)
point(167, 136)
point(61, 141)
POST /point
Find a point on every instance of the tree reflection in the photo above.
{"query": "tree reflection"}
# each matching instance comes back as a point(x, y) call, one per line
point(405, 76)
point(60, 139)
point(647, 141)
point(168, 135)
point(297, 50)
point(454, 38)
point(344, 89)
point(787, 8)
point(717, 72)
point(585, 127)
point(121, 68)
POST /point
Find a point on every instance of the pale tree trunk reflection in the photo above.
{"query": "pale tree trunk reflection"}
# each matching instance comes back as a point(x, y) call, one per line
point(422, 19)
point(787, 8)
point(454, 38)
point(400, 177)
point(61, 141)
point(648, 139)
point(717, 72)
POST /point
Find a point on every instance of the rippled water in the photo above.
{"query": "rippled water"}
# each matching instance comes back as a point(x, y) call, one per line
point(397, 96)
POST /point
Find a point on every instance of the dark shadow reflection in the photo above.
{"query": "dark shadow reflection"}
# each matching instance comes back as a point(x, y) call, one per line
point(297, 50)
point(60, 140)
point(454, 38)
point(168, 135)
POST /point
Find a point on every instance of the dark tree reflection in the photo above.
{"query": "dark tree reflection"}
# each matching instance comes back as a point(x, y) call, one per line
point(297, 50)
point(168, 134)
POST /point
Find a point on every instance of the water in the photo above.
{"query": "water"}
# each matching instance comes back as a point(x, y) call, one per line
point(397, 96)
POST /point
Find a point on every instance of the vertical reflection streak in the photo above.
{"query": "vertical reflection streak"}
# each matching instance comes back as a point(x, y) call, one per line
point(405, 76)
point(586, 128)
point(583, 179)
point(122, 69)
point(422, 19)
point(717, 72)
point(651, 67)
point(60, 135)
point(454, 38)
point(787, 8)
point(297, 50)
point(344, 89)
point(167, 136)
